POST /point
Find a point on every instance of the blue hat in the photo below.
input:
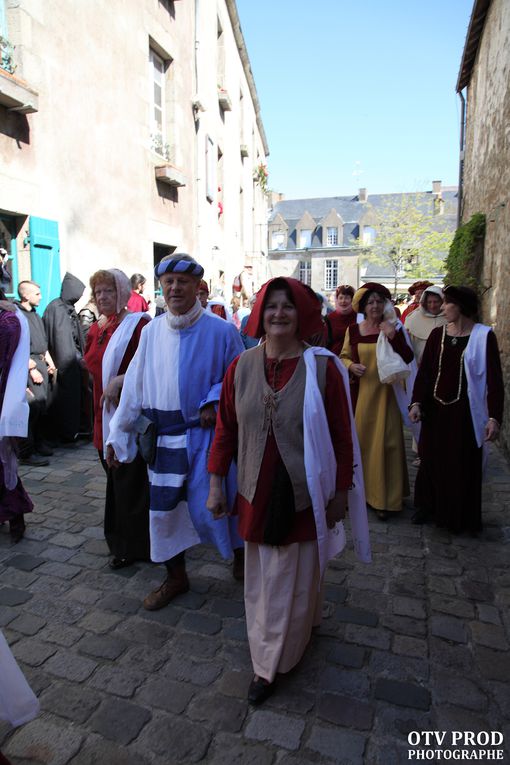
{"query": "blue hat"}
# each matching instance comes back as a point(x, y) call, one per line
point(179, 262)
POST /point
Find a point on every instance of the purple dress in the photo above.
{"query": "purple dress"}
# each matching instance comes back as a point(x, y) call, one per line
point(13, 503)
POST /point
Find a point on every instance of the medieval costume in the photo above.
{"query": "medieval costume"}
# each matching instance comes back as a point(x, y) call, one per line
point(415, 290)
point(14, 350)
point(111, 345)
point(420, 323)
point(137, 303)
point(377, 413)
point(336, 325)
point(40, 393)
point(459, 387)
point(178, 369)
point(66, 345)
point(288, 421)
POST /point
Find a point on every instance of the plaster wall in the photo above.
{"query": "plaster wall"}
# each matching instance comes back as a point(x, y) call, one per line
point(487, 174)
point(86, 159)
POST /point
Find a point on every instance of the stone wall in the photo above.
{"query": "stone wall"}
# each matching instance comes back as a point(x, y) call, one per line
point(487, 174)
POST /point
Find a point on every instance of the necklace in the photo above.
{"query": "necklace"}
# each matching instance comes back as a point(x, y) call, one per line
point(461, 367)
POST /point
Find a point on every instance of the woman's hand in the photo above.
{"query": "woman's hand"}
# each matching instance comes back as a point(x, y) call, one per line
point(111, 396)
point(111, 457)
point(208, 416)
point(415, 413)
point(216, 501)
point(336, 509)
point(358, 370)
point(388, 327)
point(491, 430)
point(36, 376)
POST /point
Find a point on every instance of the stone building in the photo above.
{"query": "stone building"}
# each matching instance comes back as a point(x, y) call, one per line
point(484, 87)
point(321, 241)
point(128, 130)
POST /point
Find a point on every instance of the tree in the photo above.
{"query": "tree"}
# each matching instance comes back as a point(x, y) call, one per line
point(409, 238)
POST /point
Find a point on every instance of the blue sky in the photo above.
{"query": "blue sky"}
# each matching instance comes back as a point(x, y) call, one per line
point(357, 94)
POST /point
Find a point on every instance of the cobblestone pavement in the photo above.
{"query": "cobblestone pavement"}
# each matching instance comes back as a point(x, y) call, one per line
point(416, 641)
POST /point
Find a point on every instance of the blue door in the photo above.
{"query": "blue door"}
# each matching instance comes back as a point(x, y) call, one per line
point(45, 258)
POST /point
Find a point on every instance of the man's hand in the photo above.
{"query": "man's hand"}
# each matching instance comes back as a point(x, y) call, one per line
point(216, 501)
point(336, 509)
point(36, 376)
point(111, 396)
point(208, 416)
point(111, 457)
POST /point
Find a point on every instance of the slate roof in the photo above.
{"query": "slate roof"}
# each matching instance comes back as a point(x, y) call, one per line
point(352, 210)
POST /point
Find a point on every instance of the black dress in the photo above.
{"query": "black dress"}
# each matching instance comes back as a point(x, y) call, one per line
point(449, 481)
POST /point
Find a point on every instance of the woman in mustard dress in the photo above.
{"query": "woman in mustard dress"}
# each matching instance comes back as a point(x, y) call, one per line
point(377, 414)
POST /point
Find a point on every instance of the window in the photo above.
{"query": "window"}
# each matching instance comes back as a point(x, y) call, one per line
point(278, 240)
point(332, 236)
point(305, 238)
point(305, 272)
point(157, 102)
point(330, 274)
point(368, 235)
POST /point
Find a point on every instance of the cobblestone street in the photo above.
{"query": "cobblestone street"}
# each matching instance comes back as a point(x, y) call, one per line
point(416, 641)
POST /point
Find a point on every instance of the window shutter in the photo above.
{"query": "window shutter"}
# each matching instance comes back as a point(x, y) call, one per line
point(45, 258)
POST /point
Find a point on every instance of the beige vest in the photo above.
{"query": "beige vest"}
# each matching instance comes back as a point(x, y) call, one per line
point(258, 409)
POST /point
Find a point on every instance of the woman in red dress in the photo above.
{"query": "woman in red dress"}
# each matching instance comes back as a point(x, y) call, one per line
point(126, 520)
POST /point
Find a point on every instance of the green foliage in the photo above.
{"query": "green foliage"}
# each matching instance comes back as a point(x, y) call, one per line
point(410, 239)
point(464, 261)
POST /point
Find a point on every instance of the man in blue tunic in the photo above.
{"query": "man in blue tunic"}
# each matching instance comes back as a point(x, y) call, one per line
point(175, 380)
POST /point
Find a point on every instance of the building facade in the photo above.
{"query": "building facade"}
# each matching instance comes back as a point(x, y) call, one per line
point(484, 86)
point(324, 242)
point(127, 131)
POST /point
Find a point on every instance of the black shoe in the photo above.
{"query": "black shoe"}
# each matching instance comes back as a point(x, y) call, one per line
point(34, 461)
point(382, 515)
point(238, 564)
point(117, 563)
point(44, 450)
point(259, 691)
point(420, 517)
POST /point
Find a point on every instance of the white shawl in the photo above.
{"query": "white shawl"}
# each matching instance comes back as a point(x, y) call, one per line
point(475, 366)
point(320, 466)
point(112, 359)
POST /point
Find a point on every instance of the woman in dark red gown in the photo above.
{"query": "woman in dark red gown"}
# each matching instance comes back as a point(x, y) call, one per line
point(462, 356)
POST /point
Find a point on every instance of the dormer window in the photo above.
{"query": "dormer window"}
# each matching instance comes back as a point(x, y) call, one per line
point(332, 236)
point(305, 238)
point(278, 240)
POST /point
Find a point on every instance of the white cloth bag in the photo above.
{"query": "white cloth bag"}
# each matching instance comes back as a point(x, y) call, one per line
point(18, 703)
point(391, 367)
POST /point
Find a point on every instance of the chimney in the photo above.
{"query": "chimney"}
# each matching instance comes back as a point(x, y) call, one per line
point(436, 188)
point(362, 195)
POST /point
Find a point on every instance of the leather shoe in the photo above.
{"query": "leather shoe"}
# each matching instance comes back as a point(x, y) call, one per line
point(117, 563)
point(382, 515)
point(238, 564)
point(260, 690)
point(171, 587)
point(44, 450)
point(34, 461)
point(420, 517)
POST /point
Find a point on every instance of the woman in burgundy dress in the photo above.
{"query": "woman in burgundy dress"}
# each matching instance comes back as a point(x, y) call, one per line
point(458, 396)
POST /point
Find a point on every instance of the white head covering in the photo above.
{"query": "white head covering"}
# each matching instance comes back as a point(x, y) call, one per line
point(435, 290)
point(123, 287)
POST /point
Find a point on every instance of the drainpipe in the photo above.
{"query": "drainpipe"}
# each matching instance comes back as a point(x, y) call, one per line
point(198, 136)
point(461, 157)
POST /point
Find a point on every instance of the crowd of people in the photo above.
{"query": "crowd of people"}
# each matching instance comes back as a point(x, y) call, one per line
point(254, 427)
